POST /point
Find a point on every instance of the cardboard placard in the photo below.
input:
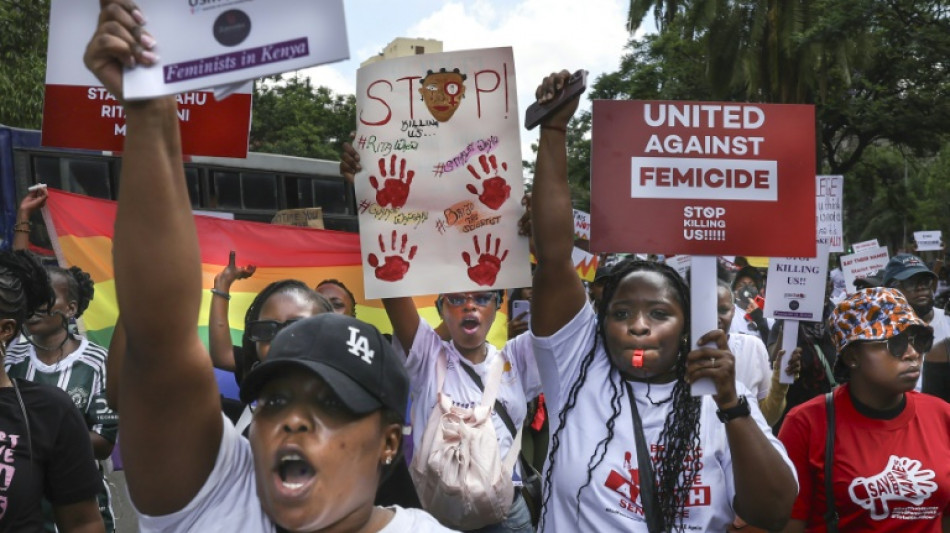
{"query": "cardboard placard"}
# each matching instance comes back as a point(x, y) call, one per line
point(204, 44)
point(864, 245)
point(928, 240)
point(581, 225)
point(829, 193)
point(862, 264)
point(439, 196)
point(796, 287)
point(308, 217)
point(705, 177)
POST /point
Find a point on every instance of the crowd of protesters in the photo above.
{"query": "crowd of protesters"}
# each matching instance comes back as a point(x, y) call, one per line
point(592, 391)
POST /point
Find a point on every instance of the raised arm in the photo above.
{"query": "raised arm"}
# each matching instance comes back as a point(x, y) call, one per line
point(114, 364)
point(219, 327)
point(558, 291)
point(34, 200)
point(171, 421)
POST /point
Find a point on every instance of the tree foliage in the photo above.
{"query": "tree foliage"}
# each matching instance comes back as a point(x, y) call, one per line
point(24, 26)
point(293, 117)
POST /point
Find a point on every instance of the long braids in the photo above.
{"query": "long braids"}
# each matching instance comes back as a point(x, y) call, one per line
point(676, 463)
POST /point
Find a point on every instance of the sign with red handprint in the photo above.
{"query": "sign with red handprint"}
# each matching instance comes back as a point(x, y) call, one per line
point(438, 137)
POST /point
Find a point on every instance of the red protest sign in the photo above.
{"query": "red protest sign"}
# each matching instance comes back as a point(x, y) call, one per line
point(79, 113)
point(703, 178)
point(88, 117)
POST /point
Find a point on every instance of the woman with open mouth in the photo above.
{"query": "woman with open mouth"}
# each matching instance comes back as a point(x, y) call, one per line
point(633, 450)
point(884, 445)
point(330, 397)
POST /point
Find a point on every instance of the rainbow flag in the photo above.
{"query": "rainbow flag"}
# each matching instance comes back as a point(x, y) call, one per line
point(81, 230)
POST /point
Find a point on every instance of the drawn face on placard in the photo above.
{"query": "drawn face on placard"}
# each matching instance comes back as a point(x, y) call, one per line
point(442, 93)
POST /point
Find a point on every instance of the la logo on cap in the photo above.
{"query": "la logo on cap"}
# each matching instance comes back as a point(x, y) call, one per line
point(359, 346)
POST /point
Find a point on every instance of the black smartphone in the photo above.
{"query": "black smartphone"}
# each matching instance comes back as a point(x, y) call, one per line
point(536, 112)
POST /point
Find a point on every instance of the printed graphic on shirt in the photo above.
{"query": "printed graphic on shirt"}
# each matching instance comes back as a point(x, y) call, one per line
point(627, 484)
point(902, 480)
point(8, 443)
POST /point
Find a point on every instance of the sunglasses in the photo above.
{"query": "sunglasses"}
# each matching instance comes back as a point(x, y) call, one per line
point(922, 342)
point(481, 299)
point(265, 330)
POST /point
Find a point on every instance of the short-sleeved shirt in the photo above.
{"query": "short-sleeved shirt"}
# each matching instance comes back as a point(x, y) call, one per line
point(888, 475)
point(54, 460)
point(520, 381)
point(611, 499)
point(82, 374)
point(228, 500)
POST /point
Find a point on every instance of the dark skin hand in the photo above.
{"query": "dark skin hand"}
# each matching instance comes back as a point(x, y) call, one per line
point(219, 328)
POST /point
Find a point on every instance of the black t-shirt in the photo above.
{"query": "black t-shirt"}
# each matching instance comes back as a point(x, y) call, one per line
point(63, 468)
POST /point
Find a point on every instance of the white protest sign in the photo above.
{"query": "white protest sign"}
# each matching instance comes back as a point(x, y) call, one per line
point(789, 343)
point(581, 225)
point(681, 263)
point(928, 240)
point(704, 301)
point(864, 245)
point(829, 191)
point(439, 196)
point(796, 286)
point(862, 265)
point(204, 44)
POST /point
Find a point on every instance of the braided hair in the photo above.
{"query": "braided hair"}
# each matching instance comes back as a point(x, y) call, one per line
point(675, 464)
point(24, 286)
point(79, 286)
point(340, 284)
point(248, 356)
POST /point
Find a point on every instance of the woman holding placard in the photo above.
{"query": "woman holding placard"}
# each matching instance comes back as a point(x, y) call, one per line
point(617, 384)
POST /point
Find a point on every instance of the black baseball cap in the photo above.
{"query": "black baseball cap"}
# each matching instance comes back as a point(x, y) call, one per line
point(903, 266)
point(351, 356)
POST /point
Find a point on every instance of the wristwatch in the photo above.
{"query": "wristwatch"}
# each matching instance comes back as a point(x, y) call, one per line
point(739, 410)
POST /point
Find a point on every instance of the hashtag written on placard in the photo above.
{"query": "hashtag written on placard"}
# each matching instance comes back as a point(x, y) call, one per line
point(440, 225)
point(438, 170)
point(362, 142)
point(364, 205)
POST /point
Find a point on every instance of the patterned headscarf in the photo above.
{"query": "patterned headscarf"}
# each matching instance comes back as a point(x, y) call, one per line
point(871, 314)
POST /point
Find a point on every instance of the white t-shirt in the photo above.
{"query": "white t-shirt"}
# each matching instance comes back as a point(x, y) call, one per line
point(610, 502)
point(941, 325)
point(228, 502)
point(752, 363)
point(741, 325)
point(520, 381)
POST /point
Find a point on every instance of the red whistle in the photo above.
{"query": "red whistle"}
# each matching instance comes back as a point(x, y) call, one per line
point(637, 360)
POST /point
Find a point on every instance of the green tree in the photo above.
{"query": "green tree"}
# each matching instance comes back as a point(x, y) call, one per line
point(293, 117)
point(24, 26)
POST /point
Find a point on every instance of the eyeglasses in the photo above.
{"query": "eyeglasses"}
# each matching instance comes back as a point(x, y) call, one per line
point(481, 299)
point(265, 330)
point(922, 341)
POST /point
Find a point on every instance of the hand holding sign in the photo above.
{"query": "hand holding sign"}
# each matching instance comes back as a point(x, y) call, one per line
point(119, 42)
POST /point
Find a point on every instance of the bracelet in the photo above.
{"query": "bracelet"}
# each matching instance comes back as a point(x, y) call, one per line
point(23, 222)
point(222, 294)
point(555, 128)
point(21, 230)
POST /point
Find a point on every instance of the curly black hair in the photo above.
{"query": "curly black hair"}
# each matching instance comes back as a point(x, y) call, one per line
point(679, 437)
point(248, 354)
point(340, 284)
point(79, 286)
point(24, 286)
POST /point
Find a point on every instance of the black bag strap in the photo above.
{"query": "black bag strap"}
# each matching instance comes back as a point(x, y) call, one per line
point(831, 515)
point(499, 407)
point(648, 495)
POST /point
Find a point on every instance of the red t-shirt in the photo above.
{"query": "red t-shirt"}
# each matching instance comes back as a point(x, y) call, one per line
point(889, 475)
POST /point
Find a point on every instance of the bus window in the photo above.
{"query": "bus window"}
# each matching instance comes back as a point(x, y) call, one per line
point(83, 176)
point(331, 195)
point(191, 181)
point(227, 188)
point(299, 192)
point(259, 190)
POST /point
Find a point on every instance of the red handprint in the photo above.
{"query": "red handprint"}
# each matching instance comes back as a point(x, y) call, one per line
point(394, 267)
point(395, 189)
point(485, 272)
point(496, 189)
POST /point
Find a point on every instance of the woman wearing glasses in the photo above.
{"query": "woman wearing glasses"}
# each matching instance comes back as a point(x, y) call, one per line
point(467, 317)
point(889, 466)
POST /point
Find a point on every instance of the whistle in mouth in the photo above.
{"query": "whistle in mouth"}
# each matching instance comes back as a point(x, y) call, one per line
point(637, 360)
